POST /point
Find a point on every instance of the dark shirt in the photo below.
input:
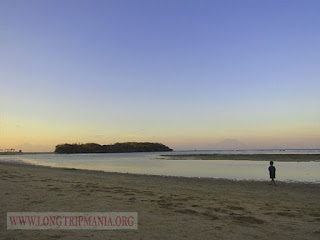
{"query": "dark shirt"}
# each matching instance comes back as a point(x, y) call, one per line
point(272, 171)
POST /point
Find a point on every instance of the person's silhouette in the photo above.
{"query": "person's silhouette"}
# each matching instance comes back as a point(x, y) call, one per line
point(272, 173)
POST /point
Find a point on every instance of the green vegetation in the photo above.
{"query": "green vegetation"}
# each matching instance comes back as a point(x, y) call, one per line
point(115, 148)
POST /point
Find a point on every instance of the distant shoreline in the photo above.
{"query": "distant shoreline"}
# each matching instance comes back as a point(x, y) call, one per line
point(216, 156)
point(249, 157)
point(24, 153)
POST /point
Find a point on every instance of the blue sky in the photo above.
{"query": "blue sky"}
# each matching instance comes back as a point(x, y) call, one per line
point(188, 74)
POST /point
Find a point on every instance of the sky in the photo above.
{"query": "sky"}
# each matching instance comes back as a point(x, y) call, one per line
point(188, 74)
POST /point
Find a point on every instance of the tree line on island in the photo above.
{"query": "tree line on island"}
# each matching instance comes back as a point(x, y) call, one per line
point(114, 148)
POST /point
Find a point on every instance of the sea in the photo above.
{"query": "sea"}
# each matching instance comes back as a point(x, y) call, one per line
point(152, 163)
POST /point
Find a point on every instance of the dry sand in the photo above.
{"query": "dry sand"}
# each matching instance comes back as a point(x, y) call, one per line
point(168, 207)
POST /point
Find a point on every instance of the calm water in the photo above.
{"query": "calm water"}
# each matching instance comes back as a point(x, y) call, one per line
point(153, 163)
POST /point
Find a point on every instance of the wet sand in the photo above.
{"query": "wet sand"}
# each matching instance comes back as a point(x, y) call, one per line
point(168, 207)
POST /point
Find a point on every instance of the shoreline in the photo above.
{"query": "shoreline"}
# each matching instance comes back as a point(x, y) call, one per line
point(168, 207)
point(178, 178)
point(152, 175)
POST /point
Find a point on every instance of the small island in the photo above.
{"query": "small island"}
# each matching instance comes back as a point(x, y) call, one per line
point(126, 147)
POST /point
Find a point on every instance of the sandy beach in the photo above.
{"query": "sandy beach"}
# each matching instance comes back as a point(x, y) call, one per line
point(168, 207)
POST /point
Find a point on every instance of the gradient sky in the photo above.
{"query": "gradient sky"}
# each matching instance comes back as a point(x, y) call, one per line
point(184, 73)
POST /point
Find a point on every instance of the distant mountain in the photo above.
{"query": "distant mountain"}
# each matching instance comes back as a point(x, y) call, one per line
point(229, 144)
point(27, 147)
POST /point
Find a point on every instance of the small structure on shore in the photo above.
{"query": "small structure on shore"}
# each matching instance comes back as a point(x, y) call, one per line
point(11, 150)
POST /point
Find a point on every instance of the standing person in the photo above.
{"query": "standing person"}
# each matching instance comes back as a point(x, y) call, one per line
point(272, 173)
